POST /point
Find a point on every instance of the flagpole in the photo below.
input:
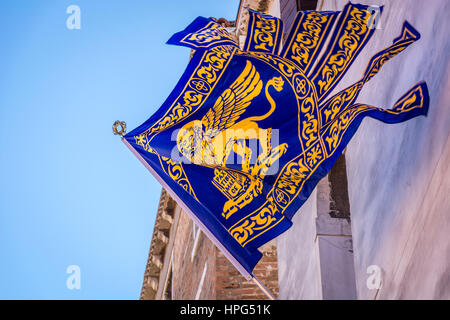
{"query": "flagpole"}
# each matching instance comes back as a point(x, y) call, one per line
point(263, 288)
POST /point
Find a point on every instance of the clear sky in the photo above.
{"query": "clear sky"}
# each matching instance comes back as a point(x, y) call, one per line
point(70, 192)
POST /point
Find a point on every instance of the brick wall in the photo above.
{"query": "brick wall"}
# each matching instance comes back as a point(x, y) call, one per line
point(186, 273)
point(221, 279)
point(230, 284)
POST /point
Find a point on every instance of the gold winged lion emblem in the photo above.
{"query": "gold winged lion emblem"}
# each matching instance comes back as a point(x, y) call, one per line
point(209, 141)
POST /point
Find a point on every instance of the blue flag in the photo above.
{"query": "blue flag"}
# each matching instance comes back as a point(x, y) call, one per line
point(246, 134)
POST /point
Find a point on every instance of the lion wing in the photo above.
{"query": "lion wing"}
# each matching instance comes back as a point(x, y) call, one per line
point(232, 102)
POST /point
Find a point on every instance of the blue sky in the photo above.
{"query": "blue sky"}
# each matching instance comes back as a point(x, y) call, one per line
point(70, 192)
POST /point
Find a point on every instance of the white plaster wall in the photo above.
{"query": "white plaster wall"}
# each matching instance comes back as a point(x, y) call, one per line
point(298, 263)
point(315, 259)
point(398, 175)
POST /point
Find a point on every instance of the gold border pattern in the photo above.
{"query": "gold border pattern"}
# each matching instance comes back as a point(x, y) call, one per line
point(351, 37)
point(264, 33)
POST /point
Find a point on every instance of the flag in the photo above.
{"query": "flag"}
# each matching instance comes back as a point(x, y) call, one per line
point(247, 133)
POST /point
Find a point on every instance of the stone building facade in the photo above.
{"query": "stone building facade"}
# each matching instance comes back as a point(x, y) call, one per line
point(184, 264)
point(377, 226)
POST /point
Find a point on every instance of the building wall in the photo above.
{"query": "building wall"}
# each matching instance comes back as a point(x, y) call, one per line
point(288, 10)
point(232, 285)
point(398, 175)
